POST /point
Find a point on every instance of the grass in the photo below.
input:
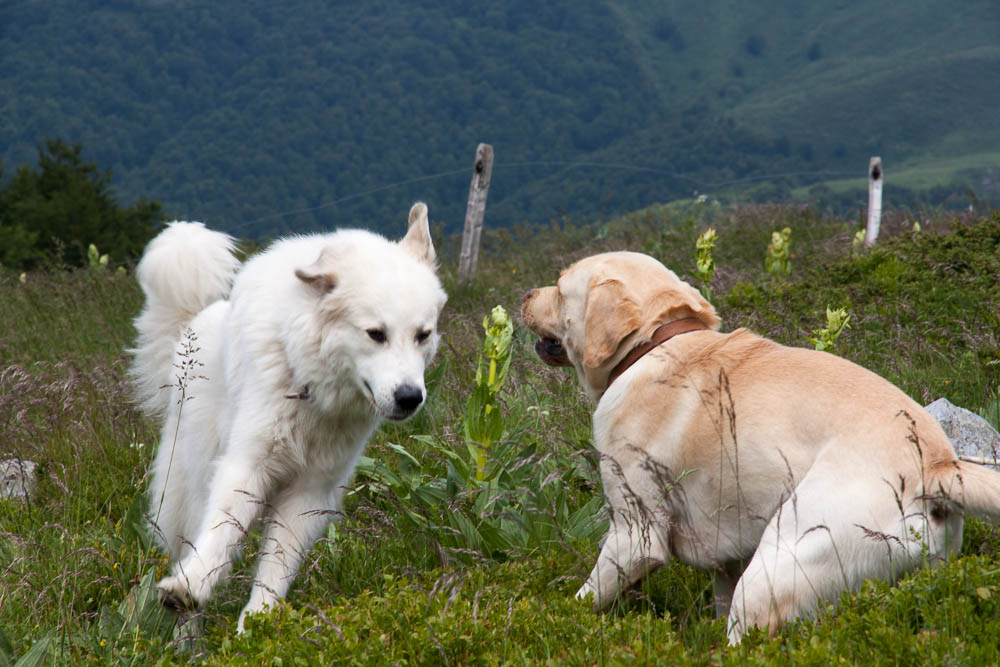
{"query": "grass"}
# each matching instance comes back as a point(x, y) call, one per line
point(430, 568)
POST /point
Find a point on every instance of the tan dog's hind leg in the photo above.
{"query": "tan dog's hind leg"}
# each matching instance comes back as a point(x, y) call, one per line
point(834, 533)
point(632, 550)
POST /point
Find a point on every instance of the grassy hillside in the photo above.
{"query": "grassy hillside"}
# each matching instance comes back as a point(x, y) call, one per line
point(428, 567)
point(828, 79)
point(264, 118)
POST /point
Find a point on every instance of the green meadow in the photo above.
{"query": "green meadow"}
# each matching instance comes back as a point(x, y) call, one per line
point(434, 564)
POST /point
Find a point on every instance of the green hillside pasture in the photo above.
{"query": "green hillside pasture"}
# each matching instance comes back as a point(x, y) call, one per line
point(428, 569)
point(978, 172)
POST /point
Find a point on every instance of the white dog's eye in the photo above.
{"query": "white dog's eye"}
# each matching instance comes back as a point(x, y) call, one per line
point(377, 335)
point(423, 336)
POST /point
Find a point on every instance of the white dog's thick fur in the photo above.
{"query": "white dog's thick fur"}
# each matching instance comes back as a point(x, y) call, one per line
point(793, 474)
point(268, 397)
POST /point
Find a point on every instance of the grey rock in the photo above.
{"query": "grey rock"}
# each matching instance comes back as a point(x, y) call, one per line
point(970, 434)
point(17, 479)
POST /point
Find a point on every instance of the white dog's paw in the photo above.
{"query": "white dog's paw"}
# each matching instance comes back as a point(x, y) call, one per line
point(175, 595)
point(258, 604)
point(241, 624)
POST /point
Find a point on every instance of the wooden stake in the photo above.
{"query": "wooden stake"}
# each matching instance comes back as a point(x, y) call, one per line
point(475, 212)
point(874, 200)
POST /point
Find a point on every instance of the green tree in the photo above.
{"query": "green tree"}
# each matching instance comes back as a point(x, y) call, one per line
point(60, 207)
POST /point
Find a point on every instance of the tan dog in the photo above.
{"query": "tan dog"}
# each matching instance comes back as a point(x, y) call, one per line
point(793, 474)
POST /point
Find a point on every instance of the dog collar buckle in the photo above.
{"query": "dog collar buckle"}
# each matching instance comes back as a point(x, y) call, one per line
point(300, 395)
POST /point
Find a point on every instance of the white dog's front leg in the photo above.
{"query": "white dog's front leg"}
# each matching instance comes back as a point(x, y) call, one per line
point(632, 550)
point(301, 513)
point(239, 490)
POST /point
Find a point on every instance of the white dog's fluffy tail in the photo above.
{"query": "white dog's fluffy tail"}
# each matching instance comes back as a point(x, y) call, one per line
point(183, 270)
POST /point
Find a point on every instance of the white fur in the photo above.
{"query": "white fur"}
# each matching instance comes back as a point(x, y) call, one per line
point(273, 392)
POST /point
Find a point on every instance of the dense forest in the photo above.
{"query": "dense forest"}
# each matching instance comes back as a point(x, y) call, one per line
point(52, 213)
point(263, 118)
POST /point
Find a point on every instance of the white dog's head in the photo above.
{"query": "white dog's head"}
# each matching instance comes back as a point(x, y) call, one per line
point(376, 317)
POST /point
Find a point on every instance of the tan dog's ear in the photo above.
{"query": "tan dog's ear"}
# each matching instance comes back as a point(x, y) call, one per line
point(418, 237)
point(611, 315)
point(677, 302)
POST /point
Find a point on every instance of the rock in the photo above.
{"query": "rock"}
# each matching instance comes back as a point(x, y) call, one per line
point(17, 479)
point(970, 434)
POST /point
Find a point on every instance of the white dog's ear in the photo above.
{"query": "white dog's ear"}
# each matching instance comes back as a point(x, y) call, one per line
point(611, 315)
point(418, 237)
point(318, 275)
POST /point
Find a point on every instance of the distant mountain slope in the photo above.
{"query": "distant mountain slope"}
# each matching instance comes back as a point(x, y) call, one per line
point(265, 117)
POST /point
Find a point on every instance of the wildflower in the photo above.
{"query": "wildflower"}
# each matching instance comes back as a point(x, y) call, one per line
point(95, 259)
point(778, 252)
point(483, 423)
point(836, 322)
point(704, 261)
point(496, 349)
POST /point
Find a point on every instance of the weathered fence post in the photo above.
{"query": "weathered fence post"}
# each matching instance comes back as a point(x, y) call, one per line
point(874, 200)
point(474, 213)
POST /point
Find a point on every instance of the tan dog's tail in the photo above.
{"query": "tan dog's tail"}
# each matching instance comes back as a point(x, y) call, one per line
point(973, 487)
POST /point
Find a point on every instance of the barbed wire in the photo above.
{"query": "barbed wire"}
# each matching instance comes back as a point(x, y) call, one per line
point(388, 186)
point(569, 164)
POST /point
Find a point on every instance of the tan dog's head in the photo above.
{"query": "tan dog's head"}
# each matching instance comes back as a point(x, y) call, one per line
point(602, 307)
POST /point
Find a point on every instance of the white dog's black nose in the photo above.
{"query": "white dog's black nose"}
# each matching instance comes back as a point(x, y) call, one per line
point(408, 398)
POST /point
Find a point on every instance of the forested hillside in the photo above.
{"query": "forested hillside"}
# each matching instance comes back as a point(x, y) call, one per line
point(264, 117)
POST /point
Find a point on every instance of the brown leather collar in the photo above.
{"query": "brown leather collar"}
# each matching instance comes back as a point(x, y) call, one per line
point(662, 334)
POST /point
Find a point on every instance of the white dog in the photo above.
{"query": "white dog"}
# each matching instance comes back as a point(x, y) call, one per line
point(274, 391)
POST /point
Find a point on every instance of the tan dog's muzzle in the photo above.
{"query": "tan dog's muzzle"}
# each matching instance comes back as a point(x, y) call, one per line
point(549, 348)
point(551, 352)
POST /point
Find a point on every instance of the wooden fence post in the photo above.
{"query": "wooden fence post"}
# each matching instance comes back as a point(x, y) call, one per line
point(874, 200)
point(478, 190)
